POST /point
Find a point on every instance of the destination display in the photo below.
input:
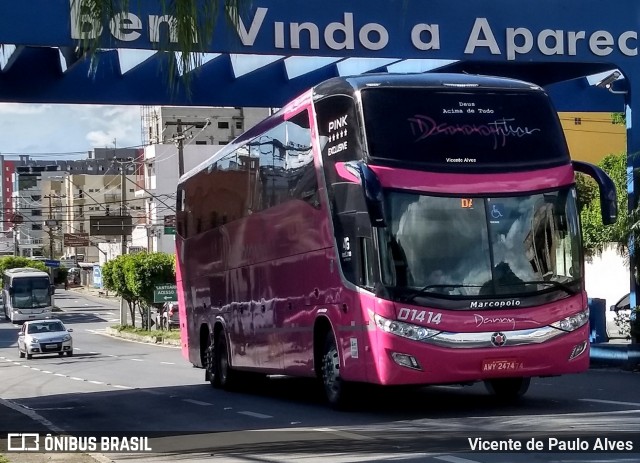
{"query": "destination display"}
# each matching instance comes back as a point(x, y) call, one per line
point(458, 131)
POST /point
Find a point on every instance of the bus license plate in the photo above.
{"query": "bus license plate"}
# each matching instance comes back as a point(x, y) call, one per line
point(501, 365)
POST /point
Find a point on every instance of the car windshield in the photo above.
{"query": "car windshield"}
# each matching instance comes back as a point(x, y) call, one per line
point(31, 293)
point(45, 327)
point(491, 246)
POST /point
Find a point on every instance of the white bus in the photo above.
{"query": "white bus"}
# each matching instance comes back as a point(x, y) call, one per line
point(27, 294)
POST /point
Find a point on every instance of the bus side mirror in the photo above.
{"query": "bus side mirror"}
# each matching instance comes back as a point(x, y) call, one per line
point(608, 196)
point(372, 191)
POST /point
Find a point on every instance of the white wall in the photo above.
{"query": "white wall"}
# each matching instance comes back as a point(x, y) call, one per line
point(607, 276)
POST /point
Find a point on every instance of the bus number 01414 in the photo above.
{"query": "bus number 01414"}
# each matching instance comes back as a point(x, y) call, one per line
point(414, 315)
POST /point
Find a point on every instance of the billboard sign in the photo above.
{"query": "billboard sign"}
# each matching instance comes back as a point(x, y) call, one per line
point(110, 225)
point(76, 239)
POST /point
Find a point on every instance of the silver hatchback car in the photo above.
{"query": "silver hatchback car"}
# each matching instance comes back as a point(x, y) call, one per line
point(48, 336)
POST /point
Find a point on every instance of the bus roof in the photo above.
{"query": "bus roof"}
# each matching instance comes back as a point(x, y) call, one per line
point(351, 84)
point(25, 272)
point(434, 80)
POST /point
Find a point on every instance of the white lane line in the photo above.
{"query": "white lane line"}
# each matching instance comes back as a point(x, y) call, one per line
point(60, 374)
point(255, 415)
point(34, 368)
point(96, 382)
point(136, 360)
point(612, 402)
point(47, 371)
point(31, 414)
point(168, 363)
point(452, 459)
point(111, 355)
point(348, 435)
point(75, 378)
point(197, 402)
point(121, 387)
point(94, 352)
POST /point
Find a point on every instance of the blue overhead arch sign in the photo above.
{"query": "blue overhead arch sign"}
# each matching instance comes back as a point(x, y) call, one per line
point(278, 49)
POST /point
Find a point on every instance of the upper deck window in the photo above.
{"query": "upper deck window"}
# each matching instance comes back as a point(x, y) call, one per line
point(463, 130)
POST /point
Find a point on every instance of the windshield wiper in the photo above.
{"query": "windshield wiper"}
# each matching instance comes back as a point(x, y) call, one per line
point(556, 284)
point(425, 290)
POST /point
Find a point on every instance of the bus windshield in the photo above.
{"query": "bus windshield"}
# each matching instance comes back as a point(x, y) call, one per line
point(30, 293)
point(481, 246)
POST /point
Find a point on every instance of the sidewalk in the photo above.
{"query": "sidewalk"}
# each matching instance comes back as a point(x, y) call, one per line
point(95, 292)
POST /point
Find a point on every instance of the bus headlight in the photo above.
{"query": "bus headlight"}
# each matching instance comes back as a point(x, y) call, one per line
point(404, 330)
point(572, 322)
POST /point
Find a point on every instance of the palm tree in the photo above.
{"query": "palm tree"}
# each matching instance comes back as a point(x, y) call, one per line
point(193, 24)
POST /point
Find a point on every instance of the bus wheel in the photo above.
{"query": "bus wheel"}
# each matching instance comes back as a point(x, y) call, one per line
point(210, 366)
point(223, 370)
point(335, 388)
point(508, 388)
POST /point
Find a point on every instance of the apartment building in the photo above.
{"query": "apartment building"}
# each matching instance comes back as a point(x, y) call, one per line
point(199, 133)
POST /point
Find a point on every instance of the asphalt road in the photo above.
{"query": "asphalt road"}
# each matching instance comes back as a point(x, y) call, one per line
point(113, 386)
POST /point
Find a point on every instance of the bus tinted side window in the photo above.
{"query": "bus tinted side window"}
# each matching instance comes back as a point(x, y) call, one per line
point(301, 171)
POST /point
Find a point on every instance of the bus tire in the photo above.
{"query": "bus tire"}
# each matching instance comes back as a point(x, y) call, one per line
point(226, 377)
point(219, 371)
point(335, 388)
point(508, 389)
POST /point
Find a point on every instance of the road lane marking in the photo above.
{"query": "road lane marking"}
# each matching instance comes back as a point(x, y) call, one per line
point(96, 382)
point(611, 402)
point(196, 402)
point(255, 415)
point(136, 360)
point(452, 459)
point(348, 435)
point(121, 387)
point(31, 414)
point(168, 363)
point(75, 378)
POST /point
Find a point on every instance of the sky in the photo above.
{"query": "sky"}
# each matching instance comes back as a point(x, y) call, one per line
point(48, 131)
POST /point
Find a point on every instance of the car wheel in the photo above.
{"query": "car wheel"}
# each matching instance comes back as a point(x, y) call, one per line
point(60, 354)
point(70, 353)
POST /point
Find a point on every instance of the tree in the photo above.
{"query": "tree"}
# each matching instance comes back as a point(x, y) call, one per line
point(595, 235)
point(193, 25)
point(134, 277)
point(8, 262)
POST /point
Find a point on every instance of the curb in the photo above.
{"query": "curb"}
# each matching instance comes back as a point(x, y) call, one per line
point(140, 338)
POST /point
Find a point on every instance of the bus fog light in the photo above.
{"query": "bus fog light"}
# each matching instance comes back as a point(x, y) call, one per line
point(406, 360)
point(578, 350)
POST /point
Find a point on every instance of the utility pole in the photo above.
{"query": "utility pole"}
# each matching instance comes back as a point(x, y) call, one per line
point(123, 203)
point(180, 138)
point(50, 228)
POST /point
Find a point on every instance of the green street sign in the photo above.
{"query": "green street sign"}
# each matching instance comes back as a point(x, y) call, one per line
point(167, 292)
point(169, 230)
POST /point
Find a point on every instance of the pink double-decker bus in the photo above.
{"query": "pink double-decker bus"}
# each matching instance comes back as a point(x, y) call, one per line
point(389, 229)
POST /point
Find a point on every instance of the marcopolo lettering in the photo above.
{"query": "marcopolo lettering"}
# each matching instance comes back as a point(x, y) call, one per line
point(494, 304)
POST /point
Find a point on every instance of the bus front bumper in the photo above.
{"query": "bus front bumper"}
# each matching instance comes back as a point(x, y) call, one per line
point(403, 361)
